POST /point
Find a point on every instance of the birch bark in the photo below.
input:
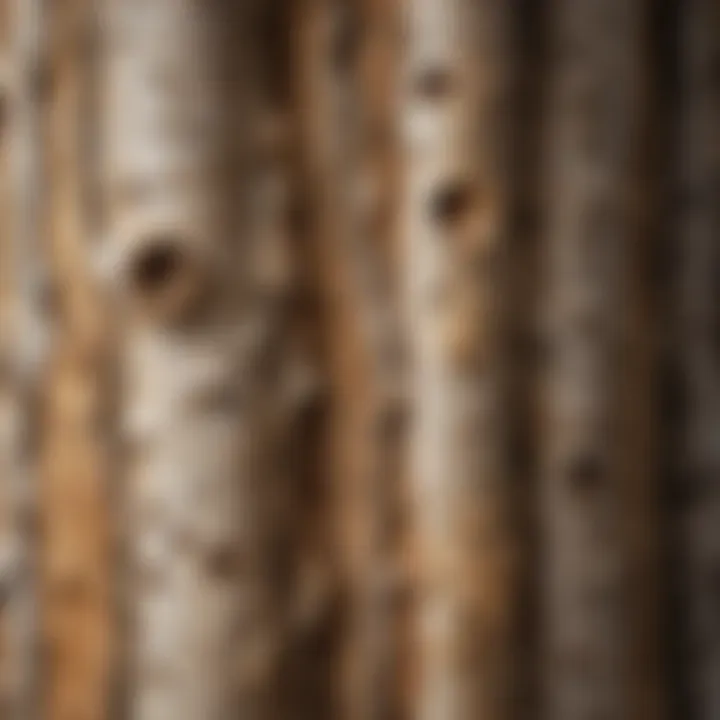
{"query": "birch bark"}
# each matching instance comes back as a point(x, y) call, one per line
point(457, 114)
point(201, 352)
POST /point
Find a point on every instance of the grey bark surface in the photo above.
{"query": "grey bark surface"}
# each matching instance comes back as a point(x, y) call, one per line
point(592, 137)
point(698, 261)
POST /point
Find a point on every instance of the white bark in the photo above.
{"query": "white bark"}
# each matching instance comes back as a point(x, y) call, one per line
point(201, 370)
point(457, 118)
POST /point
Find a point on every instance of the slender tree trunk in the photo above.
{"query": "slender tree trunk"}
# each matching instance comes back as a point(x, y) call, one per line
point(698, 262)
point(353, 200)
point(202, 371)
point(592, 138)
point(524, 284)
point(76, 520)
point(371, 178)
point(642, 324)
point(456, 112)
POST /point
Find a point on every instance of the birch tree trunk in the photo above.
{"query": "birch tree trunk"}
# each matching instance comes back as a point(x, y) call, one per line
point(698, 261)
point(202, 367)
point(456, 113)
point(593, 133)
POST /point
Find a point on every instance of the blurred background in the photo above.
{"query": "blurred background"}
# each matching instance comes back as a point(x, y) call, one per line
point(359, 359)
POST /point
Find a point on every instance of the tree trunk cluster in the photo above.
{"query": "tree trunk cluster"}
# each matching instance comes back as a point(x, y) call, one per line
point(358, 360)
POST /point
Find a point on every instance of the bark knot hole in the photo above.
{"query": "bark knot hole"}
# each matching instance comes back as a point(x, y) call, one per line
point(165, 276)
point(157, 267)
point(224, 562)
point(434, 83)
point(586, 472)
point(451, 202)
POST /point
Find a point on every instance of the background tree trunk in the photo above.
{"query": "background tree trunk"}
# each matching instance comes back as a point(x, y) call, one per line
point(591, 168)
point(697, 261)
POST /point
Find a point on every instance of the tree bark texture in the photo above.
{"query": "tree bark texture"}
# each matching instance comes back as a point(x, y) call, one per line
point(697, 261)
point(347, 131)
point(29, 342)
point(456, 114)
point(590, 168)
point(306, 447)
point(203, 413)
point(77, 563)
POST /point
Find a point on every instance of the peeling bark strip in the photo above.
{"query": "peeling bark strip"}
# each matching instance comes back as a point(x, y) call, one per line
point(457, 114)
point(29, 343)
point(698, 255)
point(201, 356)
point(593, 127)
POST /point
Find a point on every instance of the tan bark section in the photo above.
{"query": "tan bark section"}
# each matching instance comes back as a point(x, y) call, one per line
point(76, 554)
point(348, 136)
point(375, 169)
point(456, 114)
